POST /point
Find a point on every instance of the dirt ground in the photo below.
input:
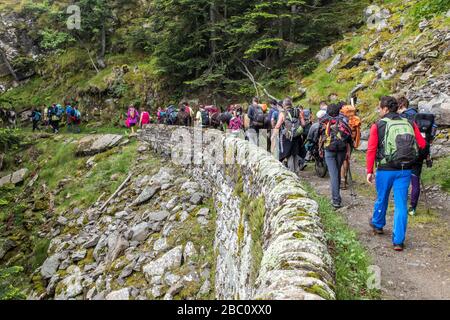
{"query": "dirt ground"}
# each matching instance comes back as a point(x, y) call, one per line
point(422, 271)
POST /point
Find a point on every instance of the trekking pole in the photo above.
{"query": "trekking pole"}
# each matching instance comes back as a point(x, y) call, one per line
point(425, 193)
point(352, 190)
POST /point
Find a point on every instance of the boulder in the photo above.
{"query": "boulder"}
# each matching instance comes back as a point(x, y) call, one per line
point(19, 176)
point(95, 144)
point(160, 245)
point(189, 251)
point(123, 294)
point(14, 178)
point(325, 54)
point(440, 106)
point(79, 255)
point(196, 198)
point(147, 194)
point(116, 246)
point(423, 24)
point(157, 216)
point(50, 266)
point(334, 63)
point(71, 286)
point(140, 232)
point(168, 261)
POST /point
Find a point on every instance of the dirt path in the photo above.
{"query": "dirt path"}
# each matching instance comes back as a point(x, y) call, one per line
point(422, 271)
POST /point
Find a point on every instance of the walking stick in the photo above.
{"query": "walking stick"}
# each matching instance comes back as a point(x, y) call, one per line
point(352, 189)
point(427, 204)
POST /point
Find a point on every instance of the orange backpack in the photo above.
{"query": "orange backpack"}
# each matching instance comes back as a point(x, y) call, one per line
point(354, 123)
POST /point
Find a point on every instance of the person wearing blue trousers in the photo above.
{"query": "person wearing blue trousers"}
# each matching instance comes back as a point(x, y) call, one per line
point(400, 181)
point(389, 176)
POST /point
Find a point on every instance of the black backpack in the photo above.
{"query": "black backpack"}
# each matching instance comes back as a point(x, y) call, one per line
point(292, 127)
point(205, 118)
point(259, 117)
point(426, 122)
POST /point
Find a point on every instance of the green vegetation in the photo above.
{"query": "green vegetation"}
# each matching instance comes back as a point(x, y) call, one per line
point(350, 258)
point(439, 174)
point(9, 139)
point(8, 291)
point(253, 211)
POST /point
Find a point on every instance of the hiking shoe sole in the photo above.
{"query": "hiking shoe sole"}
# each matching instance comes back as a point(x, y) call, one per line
point(399, 247)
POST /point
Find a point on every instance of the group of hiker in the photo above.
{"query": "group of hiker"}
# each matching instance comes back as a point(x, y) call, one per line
point(134, 118)
point(54, 115)
point(398, 146)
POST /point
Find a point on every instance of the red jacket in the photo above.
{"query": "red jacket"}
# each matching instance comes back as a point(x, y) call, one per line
point(374, 142)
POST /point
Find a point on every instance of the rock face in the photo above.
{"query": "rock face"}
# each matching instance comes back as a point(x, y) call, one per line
point(434, 97)
point(94, 144)
point(14, 178)
point(293, 239)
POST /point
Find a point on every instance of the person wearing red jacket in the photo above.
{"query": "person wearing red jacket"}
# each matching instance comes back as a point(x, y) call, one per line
point(390, 174)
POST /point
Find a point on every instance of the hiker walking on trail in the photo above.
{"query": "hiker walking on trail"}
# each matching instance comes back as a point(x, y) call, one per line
point(36, 118)
point(335, 143)
point(132, 118)
point(290, 127)
point(69, 116)
point(354, 122)
point(45, 118)
point(257, 119)
point(312, 140)
point(235, 124)
point(55, 114)
point(144, 118)
point(394, 145)
point(307, 117)
point(426, 122)
point(276, 109)
point(75, 119)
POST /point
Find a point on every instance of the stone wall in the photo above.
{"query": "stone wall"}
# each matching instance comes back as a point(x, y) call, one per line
point(269, 241)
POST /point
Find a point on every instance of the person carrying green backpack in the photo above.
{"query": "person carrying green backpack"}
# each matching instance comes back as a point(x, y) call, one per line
point(394, 145)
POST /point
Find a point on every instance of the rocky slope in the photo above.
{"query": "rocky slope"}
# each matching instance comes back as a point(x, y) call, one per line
point(399, 54)
point(141, 238)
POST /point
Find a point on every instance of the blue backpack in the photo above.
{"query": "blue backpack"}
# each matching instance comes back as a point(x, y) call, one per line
point(59, 111)
point(410, 114)
point(37, 116)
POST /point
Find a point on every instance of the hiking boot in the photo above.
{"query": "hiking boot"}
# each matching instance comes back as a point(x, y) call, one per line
point(399, 247)
point(412, 212)
point(337, 206)
point(375, 229)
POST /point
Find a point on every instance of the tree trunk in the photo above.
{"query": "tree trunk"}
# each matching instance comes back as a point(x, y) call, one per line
point(212, 17)
point(292, 28)
point(8, 65)
point(101, 58)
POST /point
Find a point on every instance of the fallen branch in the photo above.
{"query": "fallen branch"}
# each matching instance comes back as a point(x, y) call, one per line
point(256, 84)
point(117, 191)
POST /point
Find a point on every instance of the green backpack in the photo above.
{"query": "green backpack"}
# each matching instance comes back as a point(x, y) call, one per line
point(400, 145)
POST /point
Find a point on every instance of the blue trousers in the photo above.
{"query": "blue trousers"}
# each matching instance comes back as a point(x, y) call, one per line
point(400, 181)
